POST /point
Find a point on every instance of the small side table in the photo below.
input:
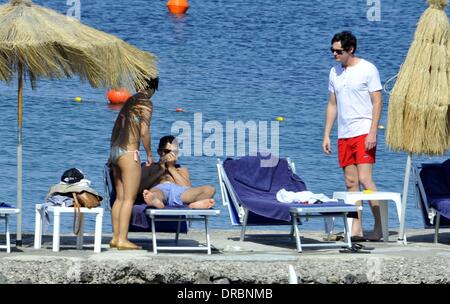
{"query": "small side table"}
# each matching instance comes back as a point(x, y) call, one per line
point(57, 222)
point(383, 197)
point(4, 215)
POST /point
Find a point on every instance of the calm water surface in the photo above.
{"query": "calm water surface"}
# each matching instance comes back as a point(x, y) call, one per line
point(229, 60)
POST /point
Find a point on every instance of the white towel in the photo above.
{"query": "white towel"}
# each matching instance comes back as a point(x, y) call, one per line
point(284, 196)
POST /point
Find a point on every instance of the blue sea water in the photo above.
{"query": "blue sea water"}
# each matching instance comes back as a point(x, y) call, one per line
point(229, 60)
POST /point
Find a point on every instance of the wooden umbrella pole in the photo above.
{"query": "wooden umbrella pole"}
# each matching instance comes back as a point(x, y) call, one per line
point(19, 157)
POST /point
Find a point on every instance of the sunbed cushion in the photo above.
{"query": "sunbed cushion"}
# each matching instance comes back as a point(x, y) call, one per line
point(434, 180)
point(442, 205)
point(446, 169)
point(435, 177)
point(262, 202)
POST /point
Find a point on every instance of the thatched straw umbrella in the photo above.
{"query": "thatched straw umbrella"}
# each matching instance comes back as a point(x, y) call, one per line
point(419, 102)
point(40, 43)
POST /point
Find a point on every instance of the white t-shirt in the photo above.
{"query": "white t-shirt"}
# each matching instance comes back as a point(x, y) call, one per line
point(352, 87)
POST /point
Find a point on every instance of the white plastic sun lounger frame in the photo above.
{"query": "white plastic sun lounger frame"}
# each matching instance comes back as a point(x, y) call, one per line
point(182, 215)
point(296, 212)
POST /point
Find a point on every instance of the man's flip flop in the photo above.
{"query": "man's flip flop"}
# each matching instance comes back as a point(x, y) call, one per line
point(357, 238)
point(353, 249)
point(361, 246)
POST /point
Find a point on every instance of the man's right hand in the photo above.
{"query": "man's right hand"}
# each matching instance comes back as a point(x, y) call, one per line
point(326, 145)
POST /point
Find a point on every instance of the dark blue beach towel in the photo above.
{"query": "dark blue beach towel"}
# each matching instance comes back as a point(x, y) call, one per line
point(141, 222)
point(258, 190)
point(5, 205)
point(436, 182)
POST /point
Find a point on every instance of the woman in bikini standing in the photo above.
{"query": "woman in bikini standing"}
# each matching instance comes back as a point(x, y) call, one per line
point(132, 126)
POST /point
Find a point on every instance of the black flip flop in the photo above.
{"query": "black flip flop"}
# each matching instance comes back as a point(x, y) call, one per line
point(357, 238)
point(361, 246)
point(353, 249)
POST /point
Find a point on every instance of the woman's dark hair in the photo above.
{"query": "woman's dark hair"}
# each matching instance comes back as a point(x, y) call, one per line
point(168, 139)
point(152, 84)
point(347, 39)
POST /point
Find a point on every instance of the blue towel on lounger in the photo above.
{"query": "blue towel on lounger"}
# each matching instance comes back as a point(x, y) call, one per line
point(5, 205)
point(140, 219)
point(250, 172)
point(255, 198)
point(435, 182)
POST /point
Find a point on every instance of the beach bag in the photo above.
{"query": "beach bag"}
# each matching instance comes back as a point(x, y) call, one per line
point(82, 199)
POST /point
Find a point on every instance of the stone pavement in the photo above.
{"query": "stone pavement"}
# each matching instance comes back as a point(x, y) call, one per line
point(261, 258)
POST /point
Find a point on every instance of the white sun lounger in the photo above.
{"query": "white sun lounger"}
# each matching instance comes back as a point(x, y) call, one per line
point(181, 215)
point(240, 215)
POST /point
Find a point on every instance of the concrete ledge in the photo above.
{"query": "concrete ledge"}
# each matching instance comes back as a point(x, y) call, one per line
point(260, 259)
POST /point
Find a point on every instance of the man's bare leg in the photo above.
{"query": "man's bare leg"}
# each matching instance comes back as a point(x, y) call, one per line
point(365, 178)
point(154, 198)
point(202, 204)
point(352, 184)
point(199, 197)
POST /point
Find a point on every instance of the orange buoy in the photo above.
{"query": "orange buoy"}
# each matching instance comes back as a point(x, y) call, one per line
point(179, 110)
point(119, 95)
point(178, 6)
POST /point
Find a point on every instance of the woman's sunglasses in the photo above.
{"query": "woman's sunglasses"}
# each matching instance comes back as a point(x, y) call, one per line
point(339, 52)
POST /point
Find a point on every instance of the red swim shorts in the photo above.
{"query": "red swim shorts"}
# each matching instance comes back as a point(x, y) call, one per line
point(352, 151)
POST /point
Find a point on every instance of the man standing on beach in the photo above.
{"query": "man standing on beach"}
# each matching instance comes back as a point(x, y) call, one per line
point(355, 99)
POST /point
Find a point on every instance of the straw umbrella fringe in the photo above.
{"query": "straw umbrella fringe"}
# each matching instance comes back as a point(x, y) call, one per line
point(40, 43)
point(54, 46)
point(418, 105)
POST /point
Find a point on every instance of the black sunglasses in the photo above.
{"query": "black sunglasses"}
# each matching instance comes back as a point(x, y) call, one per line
point(339, 52)
point(166, 151)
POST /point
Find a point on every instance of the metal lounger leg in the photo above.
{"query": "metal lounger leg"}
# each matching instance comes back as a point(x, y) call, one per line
point(8, 238)
point(56, 229)
point(37, 229)
point(436, 228)
point(347, 233)
point(244, 225)
point(297, 233)
point(177, 236)
point(291, 234)
point(208, 241)
point(155, 251)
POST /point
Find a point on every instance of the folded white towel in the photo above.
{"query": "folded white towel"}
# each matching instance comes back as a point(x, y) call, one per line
point(284, 196)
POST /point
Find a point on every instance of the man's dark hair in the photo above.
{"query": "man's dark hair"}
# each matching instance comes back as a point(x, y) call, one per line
point(347, 39)
point(168, 139)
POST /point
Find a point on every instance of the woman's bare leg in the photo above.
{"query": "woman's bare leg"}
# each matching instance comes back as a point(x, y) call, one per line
point(117, 205)
point(131, 177)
